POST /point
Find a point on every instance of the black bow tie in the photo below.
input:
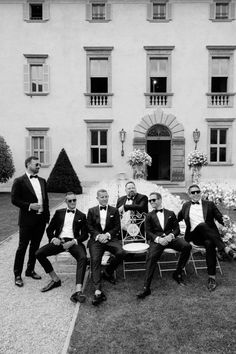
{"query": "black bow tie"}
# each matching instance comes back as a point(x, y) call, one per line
point(159, 211)
point(70, 211)
point(33, 176)
point(103, 208)
point(130, 198)
point(195, 203)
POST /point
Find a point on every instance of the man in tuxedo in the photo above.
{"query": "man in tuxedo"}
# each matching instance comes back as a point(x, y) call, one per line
point(104, 229)
point(201, 229)
point(30, 195)
point(132, 201)
point(66, 232)
point(162, 229)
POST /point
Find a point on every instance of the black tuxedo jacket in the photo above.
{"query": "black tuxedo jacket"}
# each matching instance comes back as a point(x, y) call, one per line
point(140, 203)
point(210, 212)
point(112, 222)
point(22, 195)
point(79, 225)
point(154, 229)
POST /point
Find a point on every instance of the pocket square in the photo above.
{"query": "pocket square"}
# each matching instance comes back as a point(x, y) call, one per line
point(111, 216)
point(78, 220)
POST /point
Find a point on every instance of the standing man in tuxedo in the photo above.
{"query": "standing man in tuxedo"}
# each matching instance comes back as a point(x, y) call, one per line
point(30, 195)
point(162, 229)
point(66, 232)
point(104, 229)
point(201, 229)
point(133, 201)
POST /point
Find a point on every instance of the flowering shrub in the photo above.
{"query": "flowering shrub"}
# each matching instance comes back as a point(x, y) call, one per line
point(196, 158)
point(220, 193)
point(228, 234)
point(138, 157)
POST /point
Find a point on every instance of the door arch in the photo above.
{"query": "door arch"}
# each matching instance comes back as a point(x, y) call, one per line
point(177, 141)
point(158, 146)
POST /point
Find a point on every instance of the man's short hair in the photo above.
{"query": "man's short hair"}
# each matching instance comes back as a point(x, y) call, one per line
point(129, 183)
point(158, 195)
point(69, 193)
point(193, 186)
point(29, 159)
point(101, 191)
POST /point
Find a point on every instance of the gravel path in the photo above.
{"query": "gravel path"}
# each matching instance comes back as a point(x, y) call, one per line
point(31, 321)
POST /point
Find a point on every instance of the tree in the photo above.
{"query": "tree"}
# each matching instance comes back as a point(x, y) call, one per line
point(63, 177)
point(7, 168)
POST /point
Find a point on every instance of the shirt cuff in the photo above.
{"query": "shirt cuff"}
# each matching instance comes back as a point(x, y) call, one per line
point(53, 239)
point(157, 239)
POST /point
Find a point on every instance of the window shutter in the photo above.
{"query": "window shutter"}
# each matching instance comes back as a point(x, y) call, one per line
point(25, 11)
point(232, 11)
point(108, 12)
point(149, 11)
point(27, 147)
point(168, 11)
point(46, 10)
point(178, 160)
point(26, 78)
point(45, 78)
point(212, 11)
point(88, 12)
point(47, 150)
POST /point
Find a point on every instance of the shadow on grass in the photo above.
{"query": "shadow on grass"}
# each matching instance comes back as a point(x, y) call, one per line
point(173, 319)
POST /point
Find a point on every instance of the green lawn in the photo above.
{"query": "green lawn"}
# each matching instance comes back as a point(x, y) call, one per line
point(173, 319)
point(9, 213)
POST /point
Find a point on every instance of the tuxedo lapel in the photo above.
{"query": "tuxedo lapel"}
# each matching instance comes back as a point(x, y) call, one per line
point(28, 184)
point(204, 209)
point(156, 219)
point(62, 219)
point(166, 217)
point(42, 187)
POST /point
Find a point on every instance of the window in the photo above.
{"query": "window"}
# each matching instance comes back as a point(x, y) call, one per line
point(220, 140)
point(98, 76)
point(38, 144)
point(99, 142)
point(159, 11)
point(223, 10)
point(158, 76)
point(36, 10)
point(36, 75)
point(98, 11)
point(220, 76)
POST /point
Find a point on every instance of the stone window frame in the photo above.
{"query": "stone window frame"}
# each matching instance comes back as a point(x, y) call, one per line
point(212, 11)
point(41, 60)
point(39, 132)
point(150, 11)
point(88, 10)
point(45, 9)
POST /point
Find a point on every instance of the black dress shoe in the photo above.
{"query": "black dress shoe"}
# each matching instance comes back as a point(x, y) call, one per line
point(97, 299)
point(78, 296)
point(33, 275)
point(178, 278)
point(53, 284)
point(211, 284)
point(109, 277)
point(19, 281)
point(144, 293)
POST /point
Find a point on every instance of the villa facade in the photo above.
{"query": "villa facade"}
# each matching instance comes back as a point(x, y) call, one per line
point(77, 74)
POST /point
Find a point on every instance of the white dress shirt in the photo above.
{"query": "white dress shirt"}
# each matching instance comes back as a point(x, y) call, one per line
point(37, 189)
point(67, 230)
point(196, 215)
point(103, 216)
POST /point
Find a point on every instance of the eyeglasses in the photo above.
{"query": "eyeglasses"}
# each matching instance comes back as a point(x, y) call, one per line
point(38, 164)
point(152, 200)
point(195, 192)
point(71, 200)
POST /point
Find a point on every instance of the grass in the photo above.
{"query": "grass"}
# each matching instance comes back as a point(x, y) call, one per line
point(9, 213)
point(173, 319)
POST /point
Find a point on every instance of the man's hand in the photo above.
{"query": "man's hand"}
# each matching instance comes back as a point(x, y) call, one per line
point(68, 244)
point(170, 237)
point(102, 238)
point(163, 241)
point(121, 209)
point(35, 206)
point(56, 241)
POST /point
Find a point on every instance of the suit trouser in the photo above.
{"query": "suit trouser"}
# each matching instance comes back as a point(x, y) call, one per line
point(28, 234)
point(77, 251)
point(155, 251)
point(204, 235)
point(97, 250)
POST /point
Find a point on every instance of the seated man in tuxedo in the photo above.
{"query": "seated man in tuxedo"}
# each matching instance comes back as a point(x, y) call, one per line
point(66, 232)
point(201, 229)
point(162, 229)
point(132, 201)
point(104, 229)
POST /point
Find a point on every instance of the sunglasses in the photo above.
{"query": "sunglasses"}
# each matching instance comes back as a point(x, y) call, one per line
point(195, 192)
point(152, 200)
point(71, 200)
point(38, 164)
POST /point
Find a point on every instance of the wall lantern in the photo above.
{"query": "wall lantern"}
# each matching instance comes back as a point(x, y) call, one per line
point(122, 139)
point(196, 137)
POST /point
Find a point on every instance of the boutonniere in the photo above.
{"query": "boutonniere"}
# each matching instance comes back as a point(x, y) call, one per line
point(78, 220)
